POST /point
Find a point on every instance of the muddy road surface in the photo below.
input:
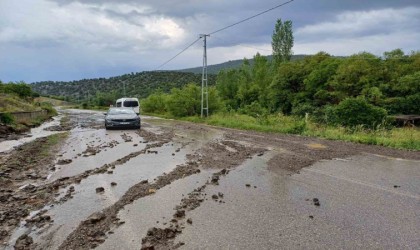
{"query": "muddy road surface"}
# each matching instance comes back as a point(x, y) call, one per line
point(71, 184)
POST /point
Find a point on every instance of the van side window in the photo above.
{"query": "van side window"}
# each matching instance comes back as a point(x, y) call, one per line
point(131, 104)
point(118, 104)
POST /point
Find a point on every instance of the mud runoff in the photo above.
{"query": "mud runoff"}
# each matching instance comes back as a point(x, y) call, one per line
point(24, 186)
point(278, 168)
point(164, 238)
point(22, 173)
point(90, 233)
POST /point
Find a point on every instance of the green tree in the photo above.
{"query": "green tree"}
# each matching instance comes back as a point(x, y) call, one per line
point(282, 41)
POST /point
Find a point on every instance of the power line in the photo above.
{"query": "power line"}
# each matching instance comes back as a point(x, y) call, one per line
point(182, 51)
point(246, 19)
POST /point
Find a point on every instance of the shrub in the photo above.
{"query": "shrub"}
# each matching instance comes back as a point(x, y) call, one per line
point(303, 108)
point(352, 112)
point(408, 105)
point(7, 118)
point(49, 108)
point(254, 109)
point(155, 103)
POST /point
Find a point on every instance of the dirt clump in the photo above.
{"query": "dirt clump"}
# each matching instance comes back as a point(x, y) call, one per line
point(24, 242)
point(64, 161)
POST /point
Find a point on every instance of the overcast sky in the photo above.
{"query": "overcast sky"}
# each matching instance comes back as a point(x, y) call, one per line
point(71, 40)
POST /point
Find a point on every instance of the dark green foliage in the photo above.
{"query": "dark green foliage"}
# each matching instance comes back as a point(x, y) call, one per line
point(317, 83)
point(403, 105)
point(187, 101)
point(155, 103)
point(6, 118)
point(254, 109)
point(20, 89)
point(101, 91)
point(357, 111)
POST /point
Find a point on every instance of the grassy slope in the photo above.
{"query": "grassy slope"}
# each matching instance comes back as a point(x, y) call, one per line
point(11, 103)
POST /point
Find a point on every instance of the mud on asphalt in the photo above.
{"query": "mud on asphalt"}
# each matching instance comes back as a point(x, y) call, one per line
point(223, 155)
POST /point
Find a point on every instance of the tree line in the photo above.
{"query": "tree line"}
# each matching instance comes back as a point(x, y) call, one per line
point(329, 87)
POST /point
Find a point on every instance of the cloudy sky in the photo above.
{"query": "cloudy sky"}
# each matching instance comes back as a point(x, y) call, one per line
point(71, 40)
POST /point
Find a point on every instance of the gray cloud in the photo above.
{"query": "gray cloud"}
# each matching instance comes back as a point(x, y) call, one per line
point(66, 39)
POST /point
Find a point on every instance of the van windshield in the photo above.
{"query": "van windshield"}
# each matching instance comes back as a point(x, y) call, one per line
point(131, 104)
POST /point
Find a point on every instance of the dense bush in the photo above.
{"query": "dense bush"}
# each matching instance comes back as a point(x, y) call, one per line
point(21, 89)
point(155, 103)
point(357, 111)
point(6, 118)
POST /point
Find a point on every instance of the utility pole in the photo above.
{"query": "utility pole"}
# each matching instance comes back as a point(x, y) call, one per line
point(204, 86)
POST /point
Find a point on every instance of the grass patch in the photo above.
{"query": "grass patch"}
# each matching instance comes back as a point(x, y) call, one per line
point(52, 142)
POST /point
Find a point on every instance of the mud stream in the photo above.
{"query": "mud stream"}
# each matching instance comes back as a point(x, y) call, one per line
point(181, 185)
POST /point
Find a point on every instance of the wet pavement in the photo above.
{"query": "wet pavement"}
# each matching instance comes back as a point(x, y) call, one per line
point(368, 201)
point(358, 207)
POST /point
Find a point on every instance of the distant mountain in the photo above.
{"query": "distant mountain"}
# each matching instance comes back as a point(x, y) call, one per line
point(215, 68)
point(138, 85)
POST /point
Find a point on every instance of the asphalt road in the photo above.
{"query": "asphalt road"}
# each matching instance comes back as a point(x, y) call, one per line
point(286, 192)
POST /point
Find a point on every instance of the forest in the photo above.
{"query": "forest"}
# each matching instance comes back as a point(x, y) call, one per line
point(104, 91)
point(362, 89)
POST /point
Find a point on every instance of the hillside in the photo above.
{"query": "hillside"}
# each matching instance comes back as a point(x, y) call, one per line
point(234, 64)
point(138, 85)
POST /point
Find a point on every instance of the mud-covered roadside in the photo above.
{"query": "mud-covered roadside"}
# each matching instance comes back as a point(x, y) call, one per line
point(21, 173)
point(50, 191)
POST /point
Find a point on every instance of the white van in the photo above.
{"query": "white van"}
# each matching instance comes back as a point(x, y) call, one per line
point(128, 103)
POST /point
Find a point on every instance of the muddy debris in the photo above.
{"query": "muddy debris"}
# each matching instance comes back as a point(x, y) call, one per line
point(179, 213)
point(158, 236)
point(126, 138)
point(100, 190)
point(397, 186)
point(189, 221)
point(248, 185)
point(316, 202)
point(24, 242)
point(96, 217)
point(76, 239)
point(113, 184)
point(64, 161)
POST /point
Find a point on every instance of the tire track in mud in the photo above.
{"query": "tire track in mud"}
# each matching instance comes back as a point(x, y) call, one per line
point(92, 232)
point(47, 192)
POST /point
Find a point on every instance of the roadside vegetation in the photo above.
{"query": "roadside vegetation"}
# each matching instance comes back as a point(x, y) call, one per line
point(351, 98)
point(348, 98)
point(19, 97)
